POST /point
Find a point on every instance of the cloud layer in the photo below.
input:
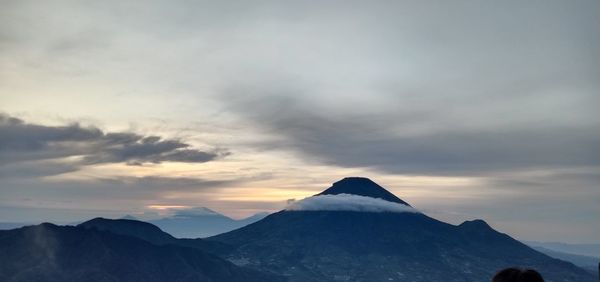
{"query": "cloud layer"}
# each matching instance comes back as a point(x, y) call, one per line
point(418, 143)
point(347, 202)
point(33, 149)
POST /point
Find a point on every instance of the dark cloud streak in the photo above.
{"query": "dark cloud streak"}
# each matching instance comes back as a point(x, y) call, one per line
point(24, 142)
point(378, 141)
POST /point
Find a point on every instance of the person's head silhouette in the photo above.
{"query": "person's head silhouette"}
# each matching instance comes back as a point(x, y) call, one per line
point(514, 274)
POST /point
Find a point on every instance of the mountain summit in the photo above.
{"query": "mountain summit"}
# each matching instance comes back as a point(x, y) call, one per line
point(361, 186)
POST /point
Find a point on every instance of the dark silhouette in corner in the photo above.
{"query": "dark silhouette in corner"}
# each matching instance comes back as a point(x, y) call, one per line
point(514, 274)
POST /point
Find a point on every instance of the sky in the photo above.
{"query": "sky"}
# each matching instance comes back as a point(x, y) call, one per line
point(464, 109)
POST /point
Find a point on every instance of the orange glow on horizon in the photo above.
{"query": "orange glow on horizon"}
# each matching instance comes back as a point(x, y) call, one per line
point(166, 207)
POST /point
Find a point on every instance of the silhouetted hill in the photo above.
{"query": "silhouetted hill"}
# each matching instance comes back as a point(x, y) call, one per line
point(592, 250)
point(135, 228)
point(382, 246)
point(586, 262)
point(47, 252)
point(151, 233)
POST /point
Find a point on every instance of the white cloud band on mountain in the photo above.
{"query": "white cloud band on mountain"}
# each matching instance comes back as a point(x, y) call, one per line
point(347, 202)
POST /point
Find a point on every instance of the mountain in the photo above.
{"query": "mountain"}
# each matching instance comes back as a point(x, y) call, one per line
point(128, 227)
point(362, 187)
point(251, 219)
point(48, 252)
point(151, 233)
point(201, 222)
point(586, 262)
point(370, 234)
point(592, 250)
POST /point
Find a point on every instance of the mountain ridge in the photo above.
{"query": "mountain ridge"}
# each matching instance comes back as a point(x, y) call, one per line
point(334, 245)
point(48, 252)
point(301, 245)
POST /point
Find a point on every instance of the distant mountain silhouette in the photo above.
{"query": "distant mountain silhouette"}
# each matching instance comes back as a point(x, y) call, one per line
point(47, 252)
point(201, 222)
point(300, 245)
point(592, 250)
point(12, 225)
point(134, 228)
point(586, 262)
point(382, 246)
point(151, 233)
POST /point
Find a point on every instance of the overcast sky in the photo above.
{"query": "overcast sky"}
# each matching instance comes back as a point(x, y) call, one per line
point(464, 109)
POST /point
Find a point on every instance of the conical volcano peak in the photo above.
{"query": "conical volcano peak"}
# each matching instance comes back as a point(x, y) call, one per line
point(361, 186)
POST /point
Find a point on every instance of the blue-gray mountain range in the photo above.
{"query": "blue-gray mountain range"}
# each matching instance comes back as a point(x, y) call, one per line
point(202, 222)
point(290, 245)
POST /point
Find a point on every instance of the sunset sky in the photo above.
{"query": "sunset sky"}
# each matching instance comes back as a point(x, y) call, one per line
point(464, 109)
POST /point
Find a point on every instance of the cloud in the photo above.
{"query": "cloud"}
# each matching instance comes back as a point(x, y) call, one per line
point(109, 192)
point(431, 88)
point(33, 169)
point(161, 183)
point(191, 212)
point(388, 142)
point(29, 145)
point(32, 199)
point(347, 202)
